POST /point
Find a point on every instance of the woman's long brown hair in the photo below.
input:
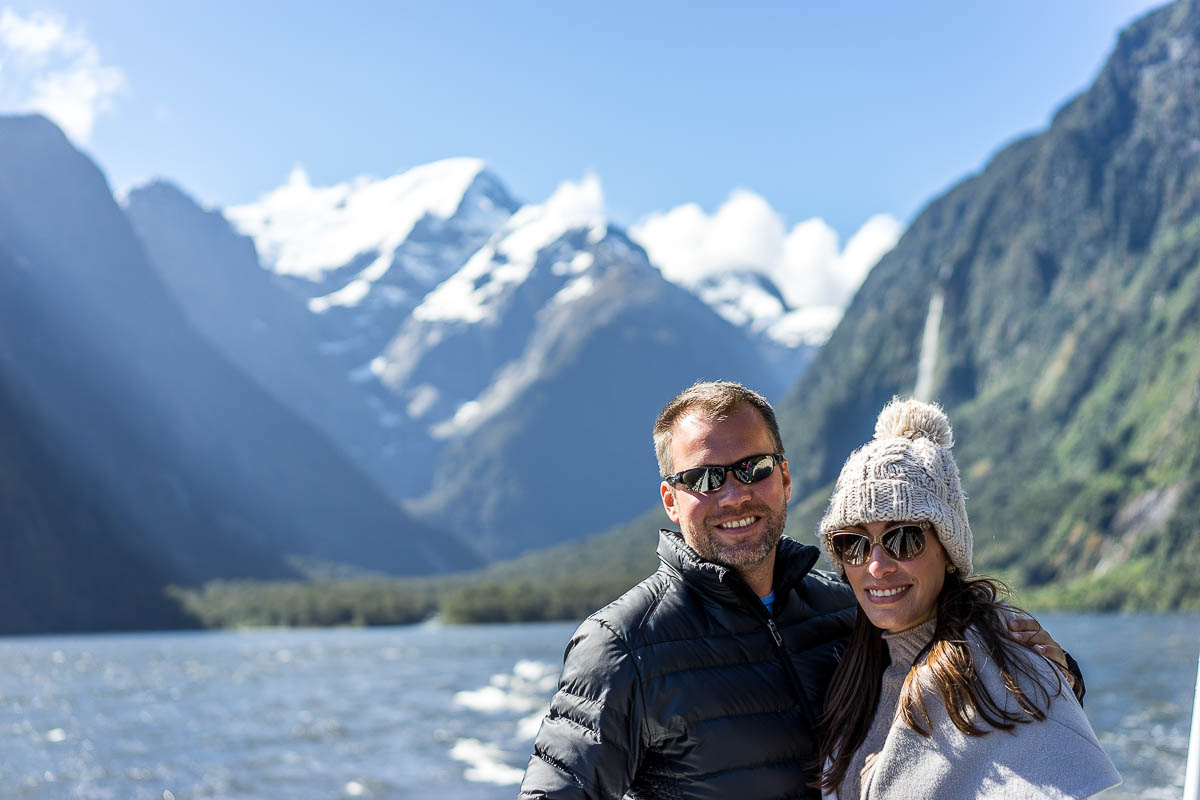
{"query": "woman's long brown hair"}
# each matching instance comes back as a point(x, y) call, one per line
point(853, 694)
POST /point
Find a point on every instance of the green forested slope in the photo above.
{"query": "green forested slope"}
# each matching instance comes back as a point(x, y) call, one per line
point(564, 582)
point(1068, 350)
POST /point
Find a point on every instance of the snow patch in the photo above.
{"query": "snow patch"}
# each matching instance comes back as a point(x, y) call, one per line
point(467, 295)
point(811, 326)
point(306, 230)
point(463, 296)
point(513, 377)
point(580, 263)
point(573, 205)
point(576, 289)
point(421, 399)
point(466, 414)
point(741, 302)
point(349, 295)
point(746, 300)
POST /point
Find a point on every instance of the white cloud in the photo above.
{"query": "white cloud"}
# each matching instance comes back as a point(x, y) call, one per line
point(745, 233)
point(38, 37)
point(876, 237)
point(48, 67)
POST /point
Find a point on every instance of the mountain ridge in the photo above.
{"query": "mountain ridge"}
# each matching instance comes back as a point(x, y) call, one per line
point(183, 460)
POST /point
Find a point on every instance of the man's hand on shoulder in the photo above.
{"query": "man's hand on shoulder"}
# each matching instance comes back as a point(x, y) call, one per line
point(1030, 632)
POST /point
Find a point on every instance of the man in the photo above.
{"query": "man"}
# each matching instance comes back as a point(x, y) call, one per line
point(706, 680)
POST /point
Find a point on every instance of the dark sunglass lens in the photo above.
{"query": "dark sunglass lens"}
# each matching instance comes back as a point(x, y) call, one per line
point(755, 469)
point(691, 478)
point(703, 479)
point(762, 468)
point(906, 542)
point(851, 548)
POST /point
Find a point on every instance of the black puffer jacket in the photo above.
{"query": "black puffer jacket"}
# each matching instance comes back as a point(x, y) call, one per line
point(686, 688)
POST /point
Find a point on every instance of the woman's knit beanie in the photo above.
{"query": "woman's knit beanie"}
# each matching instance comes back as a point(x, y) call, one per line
point(905, 474)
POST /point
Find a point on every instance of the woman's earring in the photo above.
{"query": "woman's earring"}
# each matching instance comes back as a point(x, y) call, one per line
point(950, 568)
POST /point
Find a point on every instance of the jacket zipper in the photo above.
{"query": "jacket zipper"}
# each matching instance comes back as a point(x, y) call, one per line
point(774, 632)
point(790, 669)
point(785, 656)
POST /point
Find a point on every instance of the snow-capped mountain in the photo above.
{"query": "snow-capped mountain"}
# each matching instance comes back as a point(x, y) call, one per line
point(489, 347)
point(557, 443)
point(370, 250)
point(540, 259)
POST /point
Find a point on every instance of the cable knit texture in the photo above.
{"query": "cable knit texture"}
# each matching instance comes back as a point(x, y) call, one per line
point(1056, 758)
point(905, 474)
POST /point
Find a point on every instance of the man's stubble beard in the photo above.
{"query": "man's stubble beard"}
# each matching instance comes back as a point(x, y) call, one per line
point(707, 541)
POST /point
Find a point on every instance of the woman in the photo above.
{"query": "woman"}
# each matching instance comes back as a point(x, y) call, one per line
point(933, 697)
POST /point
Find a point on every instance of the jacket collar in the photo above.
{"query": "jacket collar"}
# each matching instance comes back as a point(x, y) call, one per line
point(793, 561)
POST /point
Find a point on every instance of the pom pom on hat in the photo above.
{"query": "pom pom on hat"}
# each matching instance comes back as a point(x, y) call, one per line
point(905, 474)
point(912, 419)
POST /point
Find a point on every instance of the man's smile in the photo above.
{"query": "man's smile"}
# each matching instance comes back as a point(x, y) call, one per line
point(741, 522)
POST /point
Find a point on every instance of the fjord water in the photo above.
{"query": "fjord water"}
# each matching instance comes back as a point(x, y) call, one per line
point(423, 711)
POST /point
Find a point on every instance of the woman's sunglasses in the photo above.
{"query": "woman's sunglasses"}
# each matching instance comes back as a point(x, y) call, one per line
point(903, 543)
point(710, 479)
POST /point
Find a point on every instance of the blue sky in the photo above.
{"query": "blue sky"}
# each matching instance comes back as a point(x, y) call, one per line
point(838, 111)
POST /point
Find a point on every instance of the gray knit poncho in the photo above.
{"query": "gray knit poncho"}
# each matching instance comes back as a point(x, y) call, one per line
point(1056, 758)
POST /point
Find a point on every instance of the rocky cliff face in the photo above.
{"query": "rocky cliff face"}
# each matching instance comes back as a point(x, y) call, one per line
point(1052, 305)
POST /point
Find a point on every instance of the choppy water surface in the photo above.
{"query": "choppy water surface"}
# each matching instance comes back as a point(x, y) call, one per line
point(423, 711)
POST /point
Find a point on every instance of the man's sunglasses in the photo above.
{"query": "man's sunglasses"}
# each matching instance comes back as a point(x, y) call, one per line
point(710, 479)
point(903, 543)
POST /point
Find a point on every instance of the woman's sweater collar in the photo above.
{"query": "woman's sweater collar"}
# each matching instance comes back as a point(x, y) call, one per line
point(905, 645)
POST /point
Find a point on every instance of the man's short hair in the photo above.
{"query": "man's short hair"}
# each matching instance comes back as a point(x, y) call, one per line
point(713, 401)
